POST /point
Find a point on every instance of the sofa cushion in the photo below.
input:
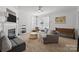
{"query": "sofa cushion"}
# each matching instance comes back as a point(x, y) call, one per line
point(13, 43)
point(18, 41)
point(18, 45)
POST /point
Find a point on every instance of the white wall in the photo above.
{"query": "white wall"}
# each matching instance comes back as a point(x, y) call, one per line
point(26, 19)
point(70, 20)
point(78, 21)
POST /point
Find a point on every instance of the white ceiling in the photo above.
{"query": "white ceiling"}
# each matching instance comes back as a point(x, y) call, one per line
point(46, 9)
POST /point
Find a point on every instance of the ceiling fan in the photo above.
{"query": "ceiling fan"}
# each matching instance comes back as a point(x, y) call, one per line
point(40, 9)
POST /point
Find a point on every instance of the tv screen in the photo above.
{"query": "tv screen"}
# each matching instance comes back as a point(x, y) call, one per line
point(11, 18)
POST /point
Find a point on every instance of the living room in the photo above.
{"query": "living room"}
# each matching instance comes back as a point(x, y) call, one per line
point(41, 28)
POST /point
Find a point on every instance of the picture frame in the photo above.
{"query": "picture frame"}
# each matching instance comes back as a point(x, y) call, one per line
point(60, 20)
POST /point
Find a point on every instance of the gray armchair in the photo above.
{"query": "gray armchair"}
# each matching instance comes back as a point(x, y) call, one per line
point(51, 38)
point(11, 44)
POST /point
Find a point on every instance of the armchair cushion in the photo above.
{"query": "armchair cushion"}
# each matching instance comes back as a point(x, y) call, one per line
point(51, 39)
point(18, 45)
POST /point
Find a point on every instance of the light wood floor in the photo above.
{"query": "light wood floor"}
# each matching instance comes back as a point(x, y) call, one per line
point(36, 45)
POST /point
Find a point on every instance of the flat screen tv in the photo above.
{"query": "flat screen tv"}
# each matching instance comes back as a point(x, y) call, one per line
point(11, 18)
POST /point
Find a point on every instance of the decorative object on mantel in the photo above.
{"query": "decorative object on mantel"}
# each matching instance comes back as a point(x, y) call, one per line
point(60, 20)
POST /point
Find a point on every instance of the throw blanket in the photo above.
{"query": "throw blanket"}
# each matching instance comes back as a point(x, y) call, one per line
point(6, 44)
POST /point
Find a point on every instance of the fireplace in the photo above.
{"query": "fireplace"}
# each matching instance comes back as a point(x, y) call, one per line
point(11, 33)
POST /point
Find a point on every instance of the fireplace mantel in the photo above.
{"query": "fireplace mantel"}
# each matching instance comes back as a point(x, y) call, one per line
point(8, 26)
